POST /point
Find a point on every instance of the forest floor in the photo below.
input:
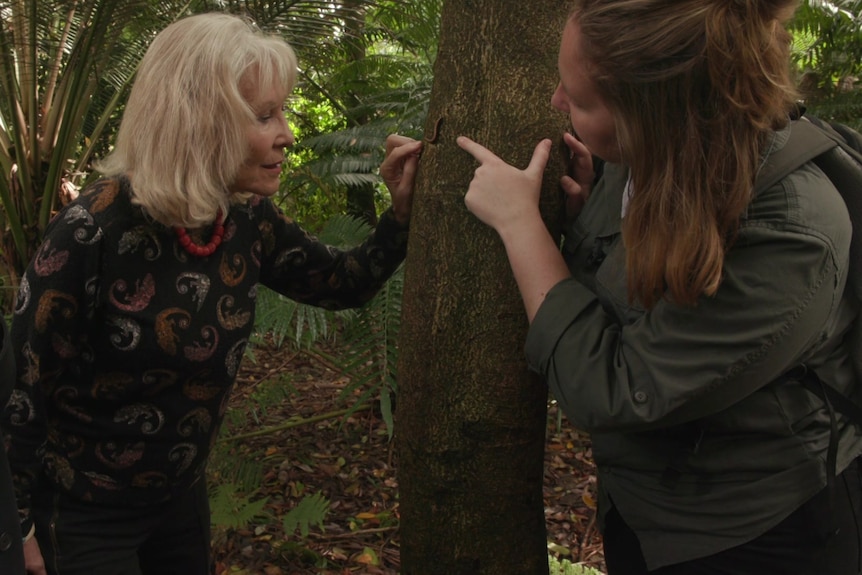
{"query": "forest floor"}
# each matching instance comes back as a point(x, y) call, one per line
point(352, 463)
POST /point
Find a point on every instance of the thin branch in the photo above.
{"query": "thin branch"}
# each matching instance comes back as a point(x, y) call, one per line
point(295, 423)
point(353, 534)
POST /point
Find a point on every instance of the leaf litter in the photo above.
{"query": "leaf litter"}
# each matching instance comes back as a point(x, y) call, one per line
point(349, 464)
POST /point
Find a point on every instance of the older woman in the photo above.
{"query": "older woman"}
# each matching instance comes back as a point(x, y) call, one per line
point(132, 318)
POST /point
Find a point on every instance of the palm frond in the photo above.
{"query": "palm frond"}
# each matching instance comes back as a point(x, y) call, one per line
point(65, 67)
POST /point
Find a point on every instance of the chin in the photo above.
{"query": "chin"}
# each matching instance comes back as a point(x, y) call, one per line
point(262, 192)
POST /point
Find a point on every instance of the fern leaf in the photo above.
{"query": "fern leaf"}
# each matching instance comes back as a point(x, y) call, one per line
point(310, 511)
point(230, 509)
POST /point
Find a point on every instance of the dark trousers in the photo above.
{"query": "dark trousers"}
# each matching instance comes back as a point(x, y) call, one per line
point(822, 537)
point(81, 538)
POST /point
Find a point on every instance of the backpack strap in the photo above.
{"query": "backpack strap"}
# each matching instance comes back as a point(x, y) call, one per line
point(842, 404)
point(835, 149)
point(843, 166)
point(807, 141)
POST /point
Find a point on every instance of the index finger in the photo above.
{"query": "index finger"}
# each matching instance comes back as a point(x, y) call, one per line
point(478, 151)
point(395, 140)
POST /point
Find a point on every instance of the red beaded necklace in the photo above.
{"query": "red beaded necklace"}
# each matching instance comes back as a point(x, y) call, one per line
point(202, 251)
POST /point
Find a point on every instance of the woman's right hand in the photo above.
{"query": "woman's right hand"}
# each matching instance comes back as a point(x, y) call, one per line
point(33, 560)
point(501, 195)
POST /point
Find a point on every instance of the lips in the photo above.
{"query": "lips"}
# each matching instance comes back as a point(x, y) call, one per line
point(272, 166)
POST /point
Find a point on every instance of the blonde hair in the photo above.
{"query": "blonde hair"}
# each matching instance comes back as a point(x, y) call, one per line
point(182, 138)
point(696, 87)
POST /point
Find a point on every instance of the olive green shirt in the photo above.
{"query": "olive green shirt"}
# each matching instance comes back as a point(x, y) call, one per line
point(699, 442)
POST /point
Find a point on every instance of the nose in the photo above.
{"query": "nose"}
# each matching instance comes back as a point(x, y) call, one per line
point(559, 100)
point(285, 139)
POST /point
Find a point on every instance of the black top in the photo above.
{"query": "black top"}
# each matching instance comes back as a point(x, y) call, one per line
point(128, 345)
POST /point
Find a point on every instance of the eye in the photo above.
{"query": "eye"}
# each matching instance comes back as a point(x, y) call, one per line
point(268, 115)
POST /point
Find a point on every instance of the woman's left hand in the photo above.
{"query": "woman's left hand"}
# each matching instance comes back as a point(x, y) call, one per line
point(398, 171)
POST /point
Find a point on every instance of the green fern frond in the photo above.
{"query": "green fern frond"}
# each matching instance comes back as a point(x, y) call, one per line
point(311, 511)
point(376, 69)
point(371, 351)
point(343, 231)
point(831, 38)
point(230, 509)
point(298, 323)
point(348, 179)
point(240, 469)
point(414, 26)
point(566, 567)
point(271, 392)
point(359, 139)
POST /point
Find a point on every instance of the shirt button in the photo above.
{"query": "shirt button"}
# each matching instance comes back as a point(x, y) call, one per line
point(5, 541)
point(641, 396)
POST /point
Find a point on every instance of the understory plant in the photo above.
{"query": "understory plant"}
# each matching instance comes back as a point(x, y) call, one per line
point(566, 567)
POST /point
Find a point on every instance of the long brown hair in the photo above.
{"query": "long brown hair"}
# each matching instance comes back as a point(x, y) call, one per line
point(697, 87)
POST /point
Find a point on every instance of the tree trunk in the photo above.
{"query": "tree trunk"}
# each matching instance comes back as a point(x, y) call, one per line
point(470, 419)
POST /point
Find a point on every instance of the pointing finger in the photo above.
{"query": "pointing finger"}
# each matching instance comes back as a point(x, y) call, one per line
point(540, 157)
point(478, 151)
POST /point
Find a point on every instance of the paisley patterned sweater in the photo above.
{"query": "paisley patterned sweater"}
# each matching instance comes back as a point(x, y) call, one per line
point(127, 346)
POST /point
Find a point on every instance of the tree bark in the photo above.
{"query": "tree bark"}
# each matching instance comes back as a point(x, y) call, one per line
point(470, 418)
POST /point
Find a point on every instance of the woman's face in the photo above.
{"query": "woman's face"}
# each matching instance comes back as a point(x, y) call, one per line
point(267, 137)
point(577, 95)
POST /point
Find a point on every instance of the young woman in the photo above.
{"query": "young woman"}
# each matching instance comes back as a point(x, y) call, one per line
point(681, 300)
point(132, 319)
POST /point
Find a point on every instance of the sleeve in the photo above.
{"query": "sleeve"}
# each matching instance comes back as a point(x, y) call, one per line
point(299, 266)
point(779, 296)
point(49, 326)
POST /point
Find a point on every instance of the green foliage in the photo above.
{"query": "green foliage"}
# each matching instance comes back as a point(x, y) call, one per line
point(828, 39)
point(566, 567)
point(371, 350)
point(843, 107)
point(231, 509)
point(376, 79)
point(266, 395)
point(828, 52)
point(65, 69)
point(311, 510)
point(286, 320)
point(242, 470)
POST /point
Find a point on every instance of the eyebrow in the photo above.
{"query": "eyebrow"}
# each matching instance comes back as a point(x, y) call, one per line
point(269, 104)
